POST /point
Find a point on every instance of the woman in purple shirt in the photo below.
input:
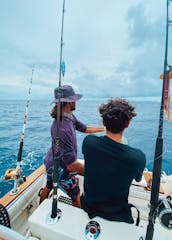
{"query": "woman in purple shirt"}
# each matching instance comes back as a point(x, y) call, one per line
point(68, 145)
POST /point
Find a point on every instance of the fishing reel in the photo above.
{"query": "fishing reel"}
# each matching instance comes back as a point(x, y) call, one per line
point(16, 175)
point(12, 174)
point(164, 212)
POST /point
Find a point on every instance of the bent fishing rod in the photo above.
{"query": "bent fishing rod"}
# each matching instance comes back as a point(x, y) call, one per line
point(157, 167)
point(16, 174)
point(56, 213)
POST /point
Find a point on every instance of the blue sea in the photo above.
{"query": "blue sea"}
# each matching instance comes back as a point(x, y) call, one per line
point(141, 133)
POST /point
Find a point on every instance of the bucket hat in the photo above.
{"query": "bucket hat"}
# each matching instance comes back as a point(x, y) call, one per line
point(67, 94)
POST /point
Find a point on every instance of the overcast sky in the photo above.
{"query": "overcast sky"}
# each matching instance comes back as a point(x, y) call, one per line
point(112, 48)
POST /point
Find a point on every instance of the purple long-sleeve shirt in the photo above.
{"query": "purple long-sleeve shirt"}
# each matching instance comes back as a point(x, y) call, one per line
point(68, 144)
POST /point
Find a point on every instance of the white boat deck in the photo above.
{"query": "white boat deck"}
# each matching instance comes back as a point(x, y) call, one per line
point(72, 224)
point(73, 221)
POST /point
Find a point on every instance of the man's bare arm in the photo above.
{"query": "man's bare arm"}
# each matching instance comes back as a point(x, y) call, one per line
point(94, 129)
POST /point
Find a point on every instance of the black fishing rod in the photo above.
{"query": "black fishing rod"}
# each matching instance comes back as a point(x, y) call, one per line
point(157, 167)
point(56, 213)
point(16, 174)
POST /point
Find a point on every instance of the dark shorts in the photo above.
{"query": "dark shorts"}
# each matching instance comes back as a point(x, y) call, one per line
point(69, 186)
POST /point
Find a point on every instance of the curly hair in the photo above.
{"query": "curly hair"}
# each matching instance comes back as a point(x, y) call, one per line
point(116, 114)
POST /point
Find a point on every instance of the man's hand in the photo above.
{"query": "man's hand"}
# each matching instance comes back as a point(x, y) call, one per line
point(76, 166)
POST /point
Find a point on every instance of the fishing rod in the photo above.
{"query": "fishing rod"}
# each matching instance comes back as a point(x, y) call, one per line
point(16, 174)
point(56, 213)
point(154, 201)
point(24, 123)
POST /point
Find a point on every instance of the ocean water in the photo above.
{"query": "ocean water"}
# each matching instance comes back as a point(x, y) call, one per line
point(141, 133)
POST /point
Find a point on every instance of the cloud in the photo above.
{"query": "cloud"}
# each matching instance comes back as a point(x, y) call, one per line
point(116, 51)
point(137, 71)
point(146, 41)
point(142, 29)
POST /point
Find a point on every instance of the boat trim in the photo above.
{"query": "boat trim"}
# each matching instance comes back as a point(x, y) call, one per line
point(7, 199)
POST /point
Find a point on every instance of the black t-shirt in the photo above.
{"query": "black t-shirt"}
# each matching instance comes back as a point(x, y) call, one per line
point(110, 168)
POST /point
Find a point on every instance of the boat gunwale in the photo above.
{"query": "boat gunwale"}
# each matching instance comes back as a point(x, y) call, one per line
point(7, 199)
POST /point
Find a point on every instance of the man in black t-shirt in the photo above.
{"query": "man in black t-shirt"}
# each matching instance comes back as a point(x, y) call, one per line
point(110, 165)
